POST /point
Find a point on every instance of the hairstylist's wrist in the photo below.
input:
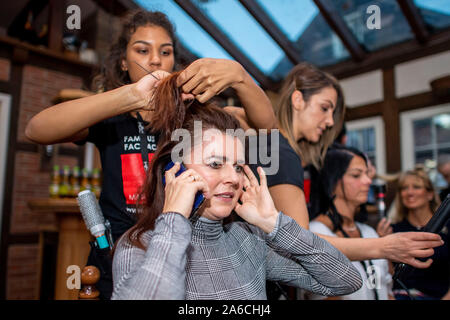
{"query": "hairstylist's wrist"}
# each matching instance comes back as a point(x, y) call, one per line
point(136, 100)
point(240, 76)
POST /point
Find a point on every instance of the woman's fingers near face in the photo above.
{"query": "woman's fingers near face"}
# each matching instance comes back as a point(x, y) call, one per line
point(262, 176)
point(251, 177)
point(170, 174)
point(246, 183)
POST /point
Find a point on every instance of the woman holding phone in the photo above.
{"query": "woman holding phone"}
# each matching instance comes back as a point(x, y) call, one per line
point(117, 119)
point(170, 254)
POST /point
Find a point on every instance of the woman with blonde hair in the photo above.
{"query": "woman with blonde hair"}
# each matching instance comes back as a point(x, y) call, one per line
point(416, 202)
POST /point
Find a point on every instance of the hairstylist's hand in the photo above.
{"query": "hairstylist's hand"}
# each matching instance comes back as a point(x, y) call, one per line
point(257, 205)
point(406, 247)
point(143, 89)
point(180, 191)
point(207, 77)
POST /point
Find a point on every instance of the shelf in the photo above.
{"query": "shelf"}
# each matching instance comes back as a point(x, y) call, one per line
point(69, 205)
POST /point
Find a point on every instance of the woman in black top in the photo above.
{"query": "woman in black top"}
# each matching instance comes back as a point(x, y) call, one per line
point(144, 52)
point(416, 201)
point(310, 113)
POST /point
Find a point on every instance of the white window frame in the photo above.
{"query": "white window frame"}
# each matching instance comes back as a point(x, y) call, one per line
point(5, 109)
point(407, 133)
point(380, 148)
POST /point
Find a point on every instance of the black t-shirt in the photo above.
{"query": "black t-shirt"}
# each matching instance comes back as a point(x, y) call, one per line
point(435, 280)
point(118, 142)
point(281, 163)
point(444, 192)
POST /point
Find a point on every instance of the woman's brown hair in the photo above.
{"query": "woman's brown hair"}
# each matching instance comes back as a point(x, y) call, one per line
point(171, 113)
point(112, 76)
point(309, 81)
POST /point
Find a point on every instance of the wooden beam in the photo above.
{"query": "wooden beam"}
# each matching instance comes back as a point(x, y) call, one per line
point(366, 111)
point(11, 48)
point(5, 86)
point(16, 84)
point(56, 25)
point(225, 42)
point(272, 29)
point(116, 7)
point(421, 100)
point(412, 14)
point(337, 23)
point(390, 56)
point(391, 119)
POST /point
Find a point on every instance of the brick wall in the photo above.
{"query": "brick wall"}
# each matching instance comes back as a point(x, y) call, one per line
point(22, 276)
point(29, 183)
point(39, 87)
point(5, 68)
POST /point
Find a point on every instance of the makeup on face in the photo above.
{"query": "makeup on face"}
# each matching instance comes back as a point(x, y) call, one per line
point(150, 48)
point(222, 168)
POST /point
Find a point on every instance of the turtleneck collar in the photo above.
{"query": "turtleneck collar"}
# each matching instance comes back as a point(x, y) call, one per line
point(204, 229)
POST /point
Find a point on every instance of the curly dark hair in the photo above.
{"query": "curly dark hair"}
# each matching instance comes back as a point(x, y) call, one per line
point(111, 75)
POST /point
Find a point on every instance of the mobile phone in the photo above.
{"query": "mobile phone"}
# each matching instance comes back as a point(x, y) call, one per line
point(199, 198)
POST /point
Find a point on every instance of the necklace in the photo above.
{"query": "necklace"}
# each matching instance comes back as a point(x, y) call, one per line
point(354, 228)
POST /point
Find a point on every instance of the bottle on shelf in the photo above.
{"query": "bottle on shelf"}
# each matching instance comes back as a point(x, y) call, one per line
point(64, 188)
point(56, 180)
point(75, 182)
point(96, 185)
point(85, 181)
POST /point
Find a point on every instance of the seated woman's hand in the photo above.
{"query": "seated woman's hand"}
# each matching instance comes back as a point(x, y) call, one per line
point(180, 191)
point(257, 206)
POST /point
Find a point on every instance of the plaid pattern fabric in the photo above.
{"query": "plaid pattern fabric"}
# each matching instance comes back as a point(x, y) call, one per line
point(203, 259)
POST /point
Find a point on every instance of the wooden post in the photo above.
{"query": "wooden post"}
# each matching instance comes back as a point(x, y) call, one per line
point(56, 24)
point(391, 118)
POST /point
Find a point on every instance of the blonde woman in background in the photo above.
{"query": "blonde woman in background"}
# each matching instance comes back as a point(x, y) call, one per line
point(416, 201)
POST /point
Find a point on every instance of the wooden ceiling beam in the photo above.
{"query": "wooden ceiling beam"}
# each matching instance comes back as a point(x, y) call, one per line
point(225, 42)
point(272, 29)
point(116, 7)
point(412, 15)
point(389, 56)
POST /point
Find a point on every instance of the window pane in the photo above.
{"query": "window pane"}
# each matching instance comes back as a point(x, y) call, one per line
point(435, 13)
point(394, 26)
point(247, 34)
point(187, 29)
point(364, 140)
point(442, 123)
point(422, 156)
point(422, 132)
point(303, 24)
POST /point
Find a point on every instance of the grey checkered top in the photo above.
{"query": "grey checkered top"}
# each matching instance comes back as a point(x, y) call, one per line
point(203, 259)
